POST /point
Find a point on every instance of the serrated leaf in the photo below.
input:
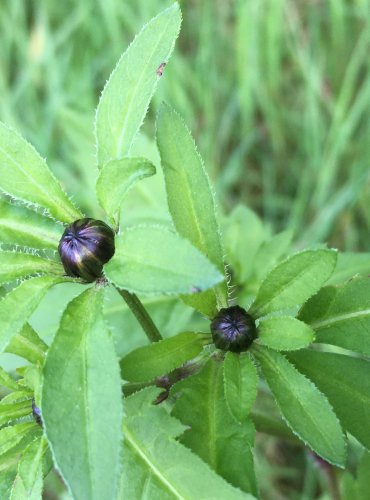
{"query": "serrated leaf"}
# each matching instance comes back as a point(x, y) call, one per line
point(154, 260)
point(167, 469)
point(81, 401)
point(126, 96)
point(340, 315)
point(11, 436)
point(28, 345)
point(18, 305)
point(346, 383)
point(240, 384)
point(29, 480)
point(190, 199)
point(20, 226)
point(305, 409)
point(11, 412)
point(116, 178)
point(294, 281)
point(213, 434)
point(284, 333)
point(14, 265)
point(348, 265)
point(7, 381)
point(25, 176)
point(148, 362)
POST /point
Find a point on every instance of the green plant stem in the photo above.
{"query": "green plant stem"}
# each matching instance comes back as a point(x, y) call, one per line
point(141, 315)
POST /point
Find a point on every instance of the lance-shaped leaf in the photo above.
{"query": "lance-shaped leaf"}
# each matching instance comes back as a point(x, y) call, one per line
point(155, 260)
point(152, 457)
point(127, 94)
point(213, 433)
point(349, 265)
point(20, 226)
point(116, 178)
point(243, 234)
point(284, 333)
point(29, 480)
point(340, 315)
point(14, 265)
point(190, 199)
point(241, 383)
point(25, 176)
point(7, 381)
point(271, 251)
point(305, 409)
point(28, 345)
point(346, 382)
point(11, 436)
point(150, 361)
point(18, 305)
point(294, 281)
point(81, 400)
point(13, 411)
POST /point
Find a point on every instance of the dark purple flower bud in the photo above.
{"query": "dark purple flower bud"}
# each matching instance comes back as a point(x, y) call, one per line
point(36, 412)
point(86, 245)
point(233, 329)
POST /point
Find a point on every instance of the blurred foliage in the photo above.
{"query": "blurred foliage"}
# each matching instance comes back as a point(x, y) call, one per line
point(277, 95)
point(275, 91)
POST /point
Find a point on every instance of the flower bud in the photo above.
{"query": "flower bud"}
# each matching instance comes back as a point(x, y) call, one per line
point(86, 245)
point(233, 329)
point(36, 412)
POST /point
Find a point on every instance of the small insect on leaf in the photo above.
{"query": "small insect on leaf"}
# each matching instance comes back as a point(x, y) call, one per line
point(160, 68)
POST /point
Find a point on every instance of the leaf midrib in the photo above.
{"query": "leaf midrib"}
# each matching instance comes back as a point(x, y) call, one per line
point(135, 446)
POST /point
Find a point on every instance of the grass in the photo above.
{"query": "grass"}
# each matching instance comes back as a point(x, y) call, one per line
point(276, 92)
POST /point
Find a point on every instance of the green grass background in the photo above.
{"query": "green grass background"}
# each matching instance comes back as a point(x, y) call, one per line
point(276, 92)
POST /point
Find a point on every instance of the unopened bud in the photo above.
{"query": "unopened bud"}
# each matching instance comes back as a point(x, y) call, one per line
point(233, 329)
point(86, 245)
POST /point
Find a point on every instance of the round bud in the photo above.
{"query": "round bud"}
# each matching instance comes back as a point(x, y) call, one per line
point(86, 245)
point(233, 329)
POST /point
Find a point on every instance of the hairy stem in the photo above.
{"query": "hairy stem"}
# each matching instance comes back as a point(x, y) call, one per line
point(141, 315)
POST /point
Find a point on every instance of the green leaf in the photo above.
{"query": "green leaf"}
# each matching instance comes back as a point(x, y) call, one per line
point(18, 305)
point(154, 260)
point(28, 345)
point(14, 265)
point(25, 176)
point(305, 409)
point(240, 384)
point(340, 315)
point(363, 478)
point(190, 198)
point(271, 251)
point(29, 480)
point(148, 362)
point(346, 383)
point(81, 400)
point(7, 381)
point(116, 178)
point(293, 281)
point(153, 458)
point(349, 264)
point(284, 333)
point(11, 436)
point(243, 234)
point(13, 411)
point(20, 226)
point(127, 94)
point(213, 434)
